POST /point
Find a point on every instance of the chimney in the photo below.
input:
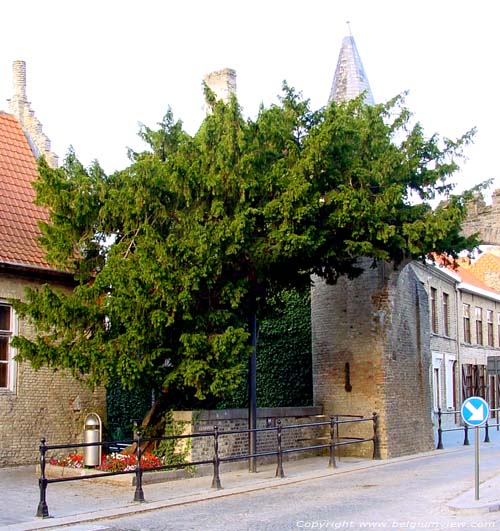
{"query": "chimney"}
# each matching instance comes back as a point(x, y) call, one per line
point(20, 107)
point(222, 83)
point(19, 78)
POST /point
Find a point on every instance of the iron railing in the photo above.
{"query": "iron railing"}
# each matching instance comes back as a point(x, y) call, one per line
point(333, 441)
point(465, 428)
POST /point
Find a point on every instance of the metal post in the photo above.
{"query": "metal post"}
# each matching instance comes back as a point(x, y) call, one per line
point(440, 431)
point(476, 471)
point(252, 398)
point(466, 435)
point(279, 468)
point(43, 510)
point(216, 479)
point(486, 433)
point(331, 462)
point(139, 494)
point(376, 442)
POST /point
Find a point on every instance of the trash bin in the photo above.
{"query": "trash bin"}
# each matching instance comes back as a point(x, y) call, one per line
point(92, 434)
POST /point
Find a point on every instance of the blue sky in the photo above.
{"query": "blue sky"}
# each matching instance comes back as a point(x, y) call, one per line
point(98, 68)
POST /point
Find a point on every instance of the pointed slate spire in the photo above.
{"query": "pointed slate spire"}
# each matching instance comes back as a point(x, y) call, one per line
point(350, 79)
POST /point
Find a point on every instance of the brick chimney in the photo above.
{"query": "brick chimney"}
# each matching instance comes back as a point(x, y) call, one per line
point(222, 83)
point(20, 107)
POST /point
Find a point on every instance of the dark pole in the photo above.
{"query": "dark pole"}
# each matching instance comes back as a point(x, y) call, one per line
point(252, 397)
point(43, 510)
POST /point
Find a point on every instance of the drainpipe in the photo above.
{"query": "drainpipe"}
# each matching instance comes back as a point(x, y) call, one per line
point(457, 344)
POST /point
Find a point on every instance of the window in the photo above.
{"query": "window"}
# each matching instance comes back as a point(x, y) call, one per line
point(492, 396)
point(437, 360)
point(451, 368)
point(434, 318)
point(446, 314)
point(6, 355)
point(489, 320)
point(473, 380)
point(466, 317)
point(479, 325)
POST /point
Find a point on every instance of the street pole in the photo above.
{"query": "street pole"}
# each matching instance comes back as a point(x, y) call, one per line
point(476, 474)
point(252, 397)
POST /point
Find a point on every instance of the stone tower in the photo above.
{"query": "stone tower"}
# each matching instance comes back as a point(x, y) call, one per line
point(484, 219)
point(20, 107)
point(370, 344)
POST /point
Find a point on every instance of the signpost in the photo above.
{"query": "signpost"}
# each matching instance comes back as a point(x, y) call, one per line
point(475, 412)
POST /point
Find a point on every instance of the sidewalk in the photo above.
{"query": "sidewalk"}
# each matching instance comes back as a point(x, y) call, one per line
point(79, 502)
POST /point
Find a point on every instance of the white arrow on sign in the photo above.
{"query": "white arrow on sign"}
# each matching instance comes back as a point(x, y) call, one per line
point(477, 413)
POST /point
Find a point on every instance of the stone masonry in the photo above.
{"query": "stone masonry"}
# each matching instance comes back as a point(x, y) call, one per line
point(371, 354)
point(484, 219)
point(232, 444)
point(45, 403)
point(20, 107)
point(222, 83)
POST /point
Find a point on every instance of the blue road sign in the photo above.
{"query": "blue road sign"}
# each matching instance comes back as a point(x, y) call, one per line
point(475, 411)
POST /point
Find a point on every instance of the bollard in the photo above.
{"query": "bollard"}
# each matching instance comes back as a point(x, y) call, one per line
point(43, 510)
point(332, 463)
point(486, 432)
point(440, 431)
point(216, 479)
point(466, 435)
point(279, 468)
point(376, 447)
point(139, 494)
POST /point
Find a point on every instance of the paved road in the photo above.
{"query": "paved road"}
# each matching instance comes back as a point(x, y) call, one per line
point(412, 494)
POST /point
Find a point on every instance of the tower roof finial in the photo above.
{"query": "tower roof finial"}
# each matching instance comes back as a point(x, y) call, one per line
point(348, 22)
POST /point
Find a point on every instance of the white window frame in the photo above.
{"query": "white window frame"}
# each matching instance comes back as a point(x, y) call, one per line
point(437, 367)
point(449, 377)
point(11, 362)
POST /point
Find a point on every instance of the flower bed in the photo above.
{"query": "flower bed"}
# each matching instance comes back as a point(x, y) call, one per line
point(114, 462)
point(73, 465)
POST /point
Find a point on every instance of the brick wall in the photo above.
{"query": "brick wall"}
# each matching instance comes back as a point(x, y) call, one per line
point(375, 328)
point(237, 419)
point(45, 402)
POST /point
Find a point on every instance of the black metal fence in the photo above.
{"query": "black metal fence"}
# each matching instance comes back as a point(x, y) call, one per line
point(465, 428)
point(332, 442)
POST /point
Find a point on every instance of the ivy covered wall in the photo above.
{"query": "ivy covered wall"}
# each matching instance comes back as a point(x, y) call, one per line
point(123, 409)
point(284, 370)
point(284, 361)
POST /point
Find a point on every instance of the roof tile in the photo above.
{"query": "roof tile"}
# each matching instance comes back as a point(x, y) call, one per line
point(19, 216)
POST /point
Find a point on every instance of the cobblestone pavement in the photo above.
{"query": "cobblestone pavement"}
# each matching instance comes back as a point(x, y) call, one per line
point(412, 494)
point(428, 491)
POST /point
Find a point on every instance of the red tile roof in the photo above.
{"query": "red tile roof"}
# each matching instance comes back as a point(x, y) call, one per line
point(474, 273)
point(469, 277)
point(19, 230)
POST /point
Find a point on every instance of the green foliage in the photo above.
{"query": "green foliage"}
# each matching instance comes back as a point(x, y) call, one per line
point(172, 254)
point(284, 359)
point(173, 451)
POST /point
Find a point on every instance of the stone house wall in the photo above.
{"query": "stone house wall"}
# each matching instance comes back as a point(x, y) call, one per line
point(44, 403)
point(443, 343)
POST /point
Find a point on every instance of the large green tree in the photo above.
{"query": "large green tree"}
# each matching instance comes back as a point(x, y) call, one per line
point(172, 254)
